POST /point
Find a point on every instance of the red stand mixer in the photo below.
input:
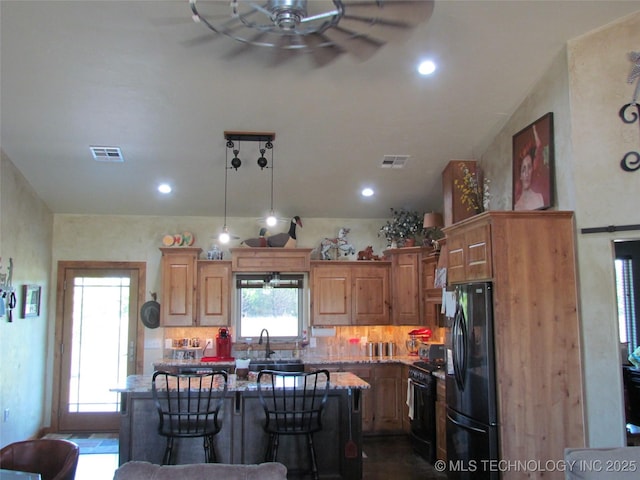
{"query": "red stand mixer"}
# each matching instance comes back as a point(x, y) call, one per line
point(416, 338)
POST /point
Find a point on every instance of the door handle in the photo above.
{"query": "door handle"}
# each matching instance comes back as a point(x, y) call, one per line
point(466, 427)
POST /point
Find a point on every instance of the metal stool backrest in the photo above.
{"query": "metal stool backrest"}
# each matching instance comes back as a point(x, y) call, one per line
point(189, 404)
point(293, 401)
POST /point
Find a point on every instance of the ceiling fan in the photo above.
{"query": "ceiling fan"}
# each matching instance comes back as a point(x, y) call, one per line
point(324, 28)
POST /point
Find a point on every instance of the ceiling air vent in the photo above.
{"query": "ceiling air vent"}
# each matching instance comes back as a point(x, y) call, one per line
point(107, 154)
point(394, 161)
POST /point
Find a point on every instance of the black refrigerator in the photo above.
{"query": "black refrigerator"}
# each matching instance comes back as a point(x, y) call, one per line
point(472, 423)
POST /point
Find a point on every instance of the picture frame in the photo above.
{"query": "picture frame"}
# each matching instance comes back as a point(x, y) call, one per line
point(533, 165)
point(31, 300)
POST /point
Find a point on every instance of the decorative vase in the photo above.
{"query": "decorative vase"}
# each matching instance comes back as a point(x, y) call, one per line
point(410, 242)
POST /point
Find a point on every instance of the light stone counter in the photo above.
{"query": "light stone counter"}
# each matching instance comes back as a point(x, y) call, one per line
point(338, 381)
point(306, 359)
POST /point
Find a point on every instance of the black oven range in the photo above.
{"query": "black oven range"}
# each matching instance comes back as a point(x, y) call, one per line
point(422, 408)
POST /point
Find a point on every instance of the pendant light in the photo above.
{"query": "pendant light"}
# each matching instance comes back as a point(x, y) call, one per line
point(224, 236)
point(271, 219)
point(263, 163)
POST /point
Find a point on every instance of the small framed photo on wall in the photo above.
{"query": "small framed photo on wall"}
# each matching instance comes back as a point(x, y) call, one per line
point(533, 159)
point(31, 300)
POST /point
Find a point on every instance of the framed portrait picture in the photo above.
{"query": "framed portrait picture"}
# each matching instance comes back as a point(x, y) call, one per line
point(31, 300)
point(533, 159)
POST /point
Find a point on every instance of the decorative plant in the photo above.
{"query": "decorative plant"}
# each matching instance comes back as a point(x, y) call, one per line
point(404, 224)
point(474, 194)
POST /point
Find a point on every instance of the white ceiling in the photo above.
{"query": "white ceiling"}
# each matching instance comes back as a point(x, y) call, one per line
point(141, 75)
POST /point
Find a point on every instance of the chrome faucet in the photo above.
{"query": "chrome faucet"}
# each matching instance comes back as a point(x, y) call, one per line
point(268, 351)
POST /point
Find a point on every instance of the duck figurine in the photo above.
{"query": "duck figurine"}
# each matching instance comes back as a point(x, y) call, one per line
point(261, 241)
point(286, 240)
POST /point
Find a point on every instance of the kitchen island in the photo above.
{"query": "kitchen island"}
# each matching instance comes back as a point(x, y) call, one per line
point(242, 439)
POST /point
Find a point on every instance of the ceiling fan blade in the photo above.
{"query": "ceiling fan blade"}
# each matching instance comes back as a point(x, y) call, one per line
point(286, 49)
point(320, 16)
point(322, 49)
point(412, 11)
point(357, 44)
point(261, 9)
point(378, 21)
point(245, 47)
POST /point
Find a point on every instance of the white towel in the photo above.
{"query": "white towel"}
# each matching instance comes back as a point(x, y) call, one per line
point(410, 398)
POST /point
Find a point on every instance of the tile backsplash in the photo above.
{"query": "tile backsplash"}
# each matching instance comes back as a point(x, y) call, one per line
point(324, 346)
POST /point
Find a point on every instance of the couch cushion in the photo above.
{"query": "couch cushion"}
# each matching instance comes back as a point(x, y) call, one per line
point(201, 471)
point(602, 463)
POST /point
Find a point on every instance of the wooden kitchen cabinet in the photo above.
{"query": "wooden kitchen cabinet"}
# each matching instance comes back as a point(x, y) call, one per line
point(178, 266)
point(406, 421)
point(194, 293)
point(384, 404)
point(441, 420)
point(405, 285)
point(331, 294)
point(213, 293)
point(387, 402)
point(431, 296)
point(530, 259)
point(469, 253)
point(350, 293)
point(370, 294)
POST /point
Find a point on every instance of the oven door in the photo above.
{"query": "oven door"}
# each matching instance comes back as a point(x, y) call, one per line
point(423, 425)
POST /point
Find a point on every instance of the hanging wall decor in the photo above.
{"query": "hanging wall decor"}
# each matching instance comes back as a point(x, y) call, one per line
point(31, 300)
point(533, 159)
point(630, 113)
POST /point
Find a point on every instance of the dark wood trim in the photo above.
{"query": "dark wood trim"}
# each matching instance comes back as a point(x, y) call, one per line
point(62, 266)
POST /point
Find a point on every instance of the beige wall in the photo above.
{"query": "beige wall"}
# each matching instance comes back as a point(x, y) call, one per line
point(584, 88)
point(25, 236)
point(598, 70)
point(138, 238)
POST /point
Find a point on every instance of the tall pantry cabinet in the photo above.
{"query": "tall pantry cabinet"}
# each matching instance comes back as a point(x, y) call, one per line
point(530, 259)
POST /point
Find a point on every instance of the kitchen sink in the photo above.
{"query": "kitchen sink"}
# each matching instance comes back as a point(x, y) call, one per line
point(283, 365)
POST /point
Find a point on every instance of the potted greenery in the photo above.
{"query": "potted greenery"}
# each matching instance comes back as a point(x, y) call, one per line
point(403, 228)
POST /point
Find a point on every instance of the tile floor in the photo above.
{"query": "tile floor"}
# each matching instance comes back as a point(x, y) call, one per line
point(96, 466)
point(386, 457)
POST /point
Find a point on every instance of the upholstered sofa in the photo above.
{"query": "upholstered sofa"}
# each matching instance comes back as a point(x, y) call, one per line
point(200, 471)
point(620, 463)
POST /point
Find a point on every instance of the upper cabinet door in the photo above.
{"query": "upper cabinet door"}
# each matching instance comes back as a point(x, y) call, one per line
point(331, 295)
point(405, 273)
point(214, 279)
point(469, 251)
point(370, 295)
point(178, 286)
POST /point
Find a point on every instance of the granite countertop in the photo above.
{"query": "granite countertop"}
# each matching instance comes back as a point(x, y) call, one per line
point(317, 360)
point(339, 381)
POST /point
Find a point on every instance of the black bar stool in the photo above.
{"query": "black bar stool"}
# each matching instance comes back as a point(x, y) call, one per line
point(293, 403)
point(188, 406)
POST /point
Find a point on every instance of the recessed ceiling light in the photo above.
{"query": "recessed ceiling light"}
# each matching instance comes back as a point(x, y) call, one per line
point(367, 192)
point(164, 188)
point(427, 67)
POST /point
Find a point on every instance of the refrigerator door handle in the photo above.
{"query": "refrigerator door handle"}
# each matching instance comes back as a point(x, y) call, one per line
point(459, 350)
point(463, 347)
point(454, 344)
point(466, 427)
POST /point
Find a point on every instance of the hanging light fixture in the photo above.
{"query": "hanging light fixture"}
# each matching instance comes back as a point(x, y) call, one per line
point(224, 236)
point(271, 219)
point(262, 162)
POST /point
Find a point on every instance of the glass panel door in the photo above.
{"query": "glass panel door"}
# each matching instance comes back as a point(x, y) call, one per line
point(98, 347)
